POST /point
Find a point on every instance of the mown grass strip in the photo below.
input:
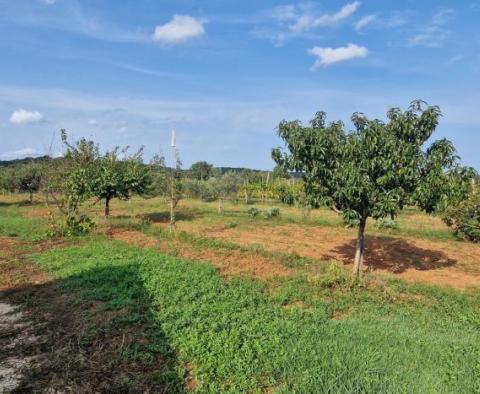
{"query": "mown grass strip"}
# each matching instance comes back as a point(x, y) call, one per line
point(237, 337)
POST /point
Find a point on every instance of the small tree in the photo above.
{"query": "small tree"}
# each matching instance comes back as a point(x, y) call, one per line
point(120, 178)
point(201, 170)
point(176, 187)
point(28, 179)
point(226, 186)
point(370, 172)
point(280, 172)
point(67, 182)
point(464, 217)
point(7, 180)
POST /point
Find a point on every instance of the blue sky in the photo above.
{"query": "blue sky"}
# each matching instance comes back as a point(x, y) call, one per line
point(225, 72)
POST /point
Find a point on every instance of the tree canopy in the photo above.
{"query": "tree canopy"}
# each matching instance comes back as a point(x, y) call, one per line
point(119, 177)
point(372, 171)
point(201, 170)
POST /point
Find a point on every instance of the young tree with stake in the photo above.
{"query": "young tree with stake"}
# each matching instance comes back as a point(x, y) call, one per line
point(370, 172)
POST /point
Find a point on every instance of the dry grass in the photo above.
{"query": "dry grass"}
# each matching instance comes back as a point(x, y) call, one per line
point(421, 250)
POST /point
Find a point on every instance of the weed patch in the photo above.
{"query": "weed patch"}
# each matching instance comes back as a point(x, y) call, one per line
point(238, 336)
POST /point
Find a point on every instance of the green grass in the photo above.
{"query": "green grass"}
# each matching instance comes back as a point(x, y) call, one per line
point(14, 224)
point(238, 336)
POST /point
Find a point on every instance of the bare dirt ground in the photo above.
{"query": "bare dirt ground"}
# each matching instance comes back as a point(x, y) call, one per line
point(446, 263)
point(229, 262)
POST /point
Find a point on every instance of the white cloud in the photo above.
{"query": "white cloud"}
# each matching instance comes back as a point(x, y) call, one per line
point(327, 56)
point(22, 116)
point(180, 29)
point(365, 21)
point(307, 22)
point(49, 2)
point(18, 154)
point(93, 122)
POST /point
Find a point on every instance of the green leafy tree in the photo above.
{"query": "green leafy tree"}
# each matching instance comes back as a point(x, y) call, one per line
point(464, 216)
point(225, 187)
point(440, 189)
point(280, 172)
point(67, 184)
point(7, 180)
point(28, 179)
point(201, 170)
point(370, 172)
point(119, 177)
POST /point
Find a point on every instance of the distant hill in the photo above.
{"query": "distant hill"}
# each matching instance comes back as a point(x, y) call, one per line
point(16, 162)
point(223, 170)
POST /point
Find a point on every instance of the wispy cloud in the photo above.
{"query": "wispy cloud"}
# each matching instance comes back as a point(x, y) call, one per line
point(365, 21)
point(434, 34)
point(303, 19)
point(179, 30)
point(147, 71)
point(328, 56)
point(455, 59)
point(306, 22)
point(69, 16)
point(22, 116)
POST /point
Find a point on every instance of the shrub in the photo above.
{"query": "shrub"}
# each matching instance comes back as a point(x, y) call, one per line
point(253, 211)
point(464, 218)
point(267, 213)
point(231, 225)
point(333, 276)
point(386, 223)
point(271, 213)
point(72, 225)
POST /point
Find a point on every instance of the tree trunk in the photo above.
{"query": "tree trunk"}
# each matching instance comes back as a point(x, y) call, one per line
point(358, 262)
point(172, 212)
point(220, 206)
point(107, 207)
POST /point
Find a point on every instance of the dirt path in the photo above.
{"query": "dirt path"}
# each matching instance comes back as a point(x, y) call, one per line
point(17, 338)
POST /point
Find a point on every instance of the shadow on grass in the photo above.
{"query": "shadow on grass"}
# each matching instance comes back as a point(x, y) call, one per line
point(22, 203)
point(395, 255)
point(164, 217)
point(97, 334)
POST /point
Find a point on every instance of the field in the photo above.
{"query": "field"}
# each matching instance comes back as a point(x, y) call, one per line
point(234, 303)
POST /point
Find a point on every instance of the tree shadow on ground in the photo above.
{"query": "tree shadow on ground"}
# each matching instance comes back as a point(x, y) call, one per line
point(97, 334)
point(164, 217)
point(22, 203)
point(394, 254)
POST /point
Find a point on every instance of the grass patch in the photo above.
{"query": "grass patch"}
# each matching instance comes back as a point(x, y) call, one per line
point(14, 224)
point(238, 337)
